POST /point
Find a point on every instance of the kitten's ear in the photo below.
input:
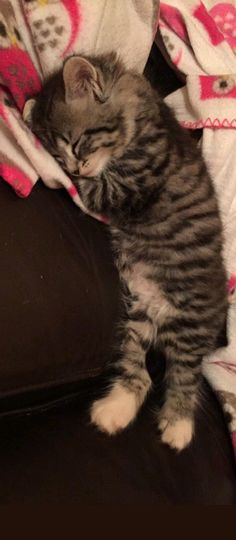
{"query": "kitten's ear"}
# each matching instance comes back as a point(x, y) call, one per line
point(27, 111)
point(80, 78)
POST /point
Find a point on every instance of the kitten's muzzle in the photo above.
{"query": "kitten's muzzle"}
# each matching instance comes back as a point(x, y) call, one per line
point(85, 168)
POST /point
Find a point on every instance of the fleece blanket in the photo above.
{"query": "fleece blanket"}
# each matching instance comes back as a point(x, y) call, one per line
point(35, 38)
point(200, 38)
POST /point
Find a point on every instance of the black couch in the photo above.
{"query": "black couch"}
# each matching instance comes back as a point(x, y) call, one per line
point(59, 306)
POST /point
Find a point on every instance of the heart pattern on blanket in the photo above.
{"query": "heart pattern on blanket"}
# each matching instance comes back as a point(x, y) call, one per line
point(59, 30)
point(224, 15)
point(51, 28)
point(51, 19)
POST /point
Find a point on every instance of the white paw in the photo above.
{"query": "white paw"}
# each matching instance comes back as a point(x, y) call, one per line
point(177, 435)
point(115, 411)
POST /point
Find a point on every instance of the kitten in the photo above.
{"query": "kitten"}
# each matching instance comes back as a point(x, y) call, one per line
point(132, 162)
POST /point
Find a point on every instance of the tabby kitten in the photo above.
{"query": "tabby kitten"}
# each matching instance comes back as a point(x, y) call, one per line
point(133, 163)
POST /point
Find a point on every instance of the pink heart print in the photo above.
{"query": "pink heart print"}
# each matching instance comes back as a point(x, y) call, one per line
point(224, 16)
point(19, 75)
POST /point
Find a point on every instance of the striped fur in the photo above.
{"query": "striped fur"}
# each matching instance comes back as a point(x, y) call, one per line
point(146, 175)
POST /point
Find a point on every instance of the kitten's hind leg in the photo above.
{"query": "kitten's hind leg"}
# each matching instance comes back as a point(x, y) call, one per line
point(129, 388)
point(176, 418)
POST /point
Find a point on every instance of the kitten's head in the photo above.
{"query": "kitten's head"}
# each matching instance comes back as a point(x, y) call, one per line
point(85, 114)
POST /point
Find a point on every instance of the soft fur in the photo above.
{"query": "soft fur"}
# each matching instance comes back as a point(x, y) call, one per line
point(132, 162)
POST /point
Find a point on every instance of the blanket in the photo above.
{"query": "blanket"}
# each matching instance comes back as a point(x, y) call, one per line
point(200, 38)
point(35, 38)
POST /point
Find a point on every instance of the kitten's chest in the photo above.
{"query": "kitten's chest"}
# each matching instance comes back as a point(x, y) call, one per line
point(145, 290)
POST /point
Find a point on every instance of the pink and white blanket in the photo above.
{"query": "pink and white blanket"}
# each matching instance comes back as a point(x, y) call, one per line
point(35, 37)
point(200, 37)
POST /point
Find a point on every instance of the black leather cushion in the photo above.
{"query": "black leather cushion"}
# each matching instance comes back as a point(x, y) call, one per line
point(58, 290)
point(59, 305)
point(59, 457)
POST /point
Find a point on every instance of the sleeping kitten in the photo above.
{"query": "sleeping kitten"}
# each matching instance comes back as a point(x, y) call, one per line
point(132, 162)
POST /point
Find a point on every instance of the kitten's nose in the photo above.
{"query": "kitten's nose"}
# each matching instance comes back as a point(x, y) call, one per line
point(83, 167)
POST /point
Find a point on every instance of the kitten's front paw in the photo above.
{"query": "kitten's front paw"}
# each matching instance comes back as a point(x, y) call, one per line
point(114, 412)
point(177, 433)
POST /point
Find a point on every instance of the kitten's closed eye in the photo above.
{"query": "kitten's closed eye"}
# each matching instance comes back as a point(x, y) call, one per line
point(64, 138)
